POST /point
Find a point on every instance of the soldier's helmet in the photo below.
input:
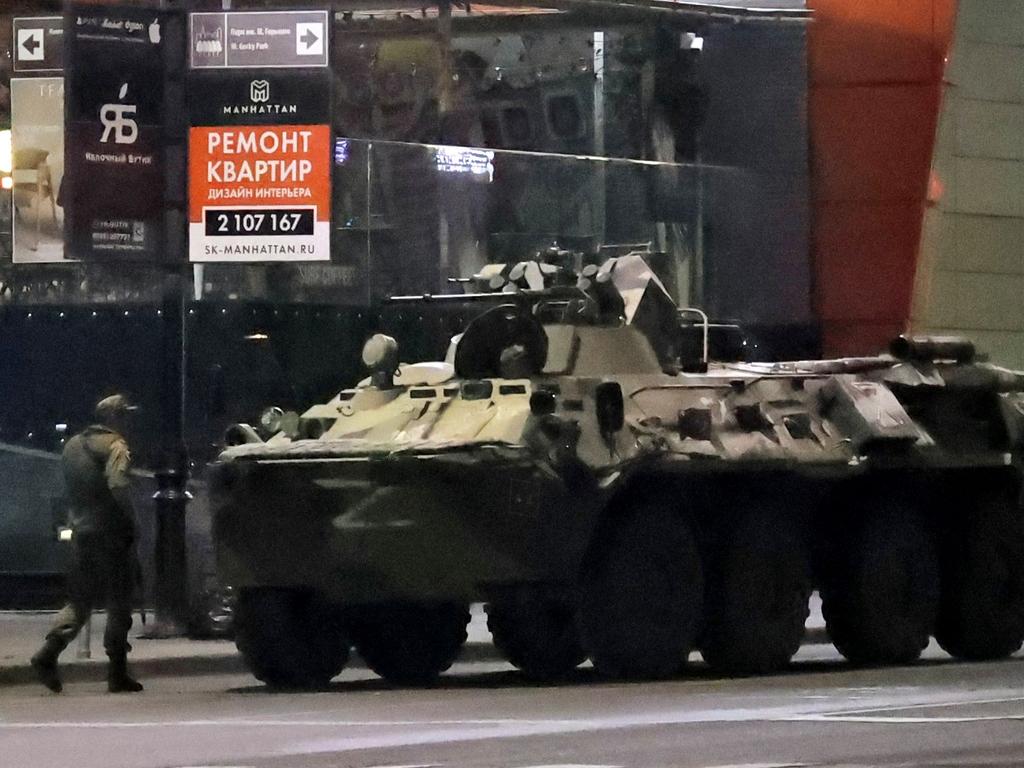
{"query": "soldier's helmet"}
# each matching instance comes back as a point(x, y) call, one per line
point(113, 408)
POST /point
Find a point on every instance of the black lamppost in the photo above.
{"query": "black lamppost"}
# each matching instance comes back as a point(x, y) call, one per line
point(171, 497)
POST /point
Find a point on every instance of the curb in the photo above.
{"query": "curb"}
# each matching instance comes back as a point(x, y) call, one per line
point(95, 670)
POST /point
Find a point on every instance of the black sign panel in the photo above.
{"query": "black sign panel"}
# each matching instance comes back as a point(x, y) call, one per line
point(259, 222)
point(114, 183)
point(259, 156)
point(260, 97)
point(38, 44)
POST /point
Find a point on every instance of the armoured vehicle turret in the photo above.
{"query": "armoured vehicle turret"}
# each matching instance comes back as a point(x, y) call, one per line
point(578, 464)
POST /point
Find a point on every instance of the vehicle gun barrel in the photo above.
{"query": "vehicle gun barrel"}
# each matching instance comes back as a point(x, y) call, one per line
point(556, 292)
point(931, 348)
point(828, 367)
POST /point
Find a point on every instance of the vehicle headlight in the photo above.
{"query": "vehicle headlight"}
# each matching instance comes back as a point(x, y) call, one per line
point(272, 419)
point(380, 356)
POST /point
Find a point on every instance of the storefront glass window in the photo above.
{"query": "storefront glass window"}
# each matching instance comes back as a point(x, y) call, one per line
point(504, 135)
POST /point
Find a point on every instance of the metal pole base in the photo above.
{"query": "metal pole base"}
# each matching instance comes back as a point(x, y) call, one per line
point(172, 599)
point(164, 630)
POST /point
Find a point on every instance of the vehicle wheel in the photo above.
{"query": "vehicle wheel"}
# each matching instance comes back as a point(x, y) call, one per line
point(757, 598)
point(410, 644)
point(982, 611)
point(537, 634)
point(290, 638)
point(641, 595)
point(881, 600)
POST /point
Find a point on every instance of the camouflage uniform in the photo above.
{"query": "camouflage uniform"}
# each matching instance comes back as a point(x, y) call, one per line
point(96, 472)
point(96, 463)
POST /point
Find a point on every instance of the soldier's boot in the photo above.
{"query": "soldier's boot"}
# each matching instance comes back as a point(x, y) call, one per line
point(118, 679)
point(44, 662)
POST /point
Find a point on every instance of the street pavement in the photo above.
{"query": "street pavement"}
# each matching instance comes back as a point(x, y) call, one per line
point(937, 713)
point(200, 708)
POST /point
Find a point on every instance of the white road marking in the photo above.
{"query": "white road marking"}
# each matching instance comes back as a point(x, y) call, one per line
point(880, 719)
point(760, 765)
point(250, 723)
point(932, 705)
point(570, 765)
point(875, 714)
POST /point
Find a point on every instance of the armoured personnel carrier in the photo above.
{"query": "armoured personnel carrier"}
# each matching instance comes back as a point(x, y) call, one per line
point(610, 495)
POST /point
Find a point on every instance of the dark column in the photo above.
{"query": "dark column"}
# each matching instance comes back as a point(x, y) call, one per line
point(171, 498)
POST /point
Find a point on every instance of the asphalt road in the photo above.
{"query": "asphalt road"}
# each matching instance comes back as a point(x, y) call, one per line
point(822, 713)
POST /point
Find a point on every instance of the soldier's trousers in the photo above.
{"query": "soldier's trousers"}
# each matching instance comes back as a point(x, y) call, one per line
point(100, 575)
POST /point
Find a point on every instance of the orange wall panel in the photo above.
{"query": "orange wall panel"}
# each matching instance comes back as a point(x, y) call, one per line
point(860, 272)
point(872, 143)
point(864, 338)
point(943, 27)
point(872, 41)
point(876, 71)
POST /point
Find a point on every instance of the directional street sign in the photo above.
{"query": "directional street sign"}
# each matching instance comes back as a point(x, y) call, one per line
point(39, 44)
point(277, 39)
point(30, 44)
point(260, 141)
point(309, 39)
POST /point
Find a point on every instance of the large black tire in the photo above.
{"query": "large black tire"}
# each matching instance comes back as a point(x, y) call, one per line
point(982, 611)
point(881, 597)
point(642, 594)
point(536, 633)
point(290, 638)
point(757, 597)
point(410, 643)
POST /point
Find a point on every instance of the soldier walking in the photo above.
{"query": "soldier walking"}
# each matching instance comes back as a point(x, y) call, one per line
point(96, 463)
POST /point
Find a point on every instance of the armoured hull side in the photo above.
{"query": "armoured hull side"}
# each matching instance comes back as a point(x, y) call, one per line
point(611, 498)
point(419, 526)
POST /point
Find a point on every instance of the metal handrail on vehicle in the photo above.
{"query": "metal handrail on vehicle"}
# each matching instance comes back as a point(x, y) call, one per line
point(704, 326)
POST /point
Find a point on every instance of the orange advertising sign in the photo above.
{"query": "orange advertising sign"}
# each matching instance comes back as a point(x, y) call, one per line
point(260, 193)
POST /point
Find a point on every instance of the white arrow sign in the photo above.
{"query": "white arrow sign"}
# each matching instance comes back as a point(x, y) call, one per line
point(309, 39)
point(30, 45)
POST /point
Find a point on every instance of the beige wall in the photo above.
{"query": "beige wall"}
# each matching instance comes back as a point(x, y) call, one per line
point(970, 276)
